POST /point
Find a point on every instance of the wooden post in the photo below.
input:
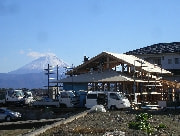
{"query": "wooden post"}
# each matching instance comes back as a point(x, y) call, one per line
point(107, 66)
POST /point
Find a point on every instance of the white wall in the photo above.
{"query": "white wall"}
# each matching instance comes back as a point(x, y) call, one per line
point(164, 61)
point(165, 64)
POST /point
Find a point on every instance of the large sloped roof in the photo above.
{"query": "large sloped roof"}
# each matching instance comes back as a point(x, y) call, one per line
point(115, 59)
point(105, 76)
point(159, 48)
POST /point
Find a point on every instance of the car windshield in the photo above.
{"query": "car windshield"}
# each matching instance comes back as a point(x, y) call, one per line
point(7, 110)
point(19, 93)
point(121, 95)
point(71, 94)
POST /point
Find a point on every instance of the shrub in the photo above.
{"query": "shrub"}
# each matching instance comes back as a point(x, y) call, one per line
point(161, 125)
point(142, 123)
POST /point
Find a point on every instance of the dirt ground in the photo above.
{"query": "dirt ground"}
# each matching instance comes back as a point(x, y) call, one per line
point(29, 113)
point(98, 123)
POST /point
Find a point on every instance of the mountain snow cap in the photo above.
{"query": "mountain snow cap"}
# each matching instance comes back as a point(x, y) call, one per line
point(41, 63)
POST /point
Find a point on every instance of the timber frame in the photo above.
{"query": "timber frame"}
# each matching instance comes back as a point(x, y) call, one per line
point(126, 73)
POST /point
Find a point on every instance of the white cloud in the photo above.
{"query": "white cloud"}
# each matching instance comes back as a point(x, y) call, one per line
point(36, 55)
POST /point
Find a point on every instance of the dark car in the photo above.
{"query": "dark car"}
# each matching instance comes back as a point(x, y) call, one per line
point(8, 115)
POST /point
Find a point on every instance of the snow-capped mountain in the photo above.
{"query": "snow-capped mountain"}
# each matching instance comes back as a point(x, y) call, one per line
point(32, 75)
point(38, 65)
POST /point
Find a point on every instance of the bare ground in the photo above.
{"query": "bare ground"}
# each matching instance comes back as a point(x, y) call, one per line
point(29, 113)
point(97, 124)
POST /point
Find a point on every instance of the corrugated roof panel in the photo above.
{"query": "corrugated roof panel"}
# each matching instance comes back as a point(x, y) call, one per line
point(137, 62)
point(106, 76)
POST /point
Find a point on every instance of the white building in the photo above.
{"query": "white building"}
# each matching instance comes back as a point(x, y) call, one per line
point(165, 55)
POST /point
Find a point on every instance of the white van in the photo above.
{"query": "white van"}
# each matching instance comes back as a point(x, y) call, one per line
point(68, 99)
point(14, 97)
point(117, 100)
point(113, 100)
point(95, 98)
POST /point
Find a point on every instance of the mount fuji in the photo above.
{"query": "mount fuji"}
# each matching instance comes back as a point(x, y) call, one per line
point(38, 65)
point(32, 75)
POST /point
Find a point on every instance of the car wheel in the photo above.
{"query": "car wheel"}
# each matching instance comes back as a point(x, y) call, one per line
point(8, 118)
point(113, 107)
point(63, 105)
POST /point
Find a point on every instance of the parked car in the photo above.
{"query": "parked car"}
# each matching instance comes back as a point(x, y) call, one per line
point(8, 115)
point(28, 98)
point(45, 102)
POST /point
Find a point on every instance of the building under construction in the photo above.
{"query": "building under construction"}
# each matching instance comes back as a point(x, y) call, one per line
point(140, 80)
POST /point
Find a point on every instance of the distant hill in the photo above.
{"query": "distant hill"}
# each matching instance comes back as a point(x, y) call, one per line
point(32, 80)
point(32, 75)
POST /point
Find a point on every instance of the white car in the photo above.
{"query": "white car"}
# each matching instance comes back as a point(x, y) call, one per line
point(8, 115)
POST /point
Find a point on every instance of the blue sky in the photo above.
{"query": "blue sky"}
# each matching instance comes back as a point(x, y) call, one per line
point(74, 28)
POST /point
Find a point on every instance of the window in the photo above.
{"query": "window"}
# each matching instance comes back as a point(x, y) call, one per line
point(2, 111)
point(71, 94)
point(113, 96)
point(92, 96)
point(10, 93)
point(176, 60)
point(64, 95)
point(101, 96)
point(157, 61)
point(162, 57)
point(19, 93)
point(169, 61)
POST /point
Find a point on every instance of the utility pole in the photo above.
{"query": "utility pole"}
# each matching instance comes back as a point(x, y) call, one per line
point(57, 78)
point(48, 78)
point(48, 74)
point(72, 78)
